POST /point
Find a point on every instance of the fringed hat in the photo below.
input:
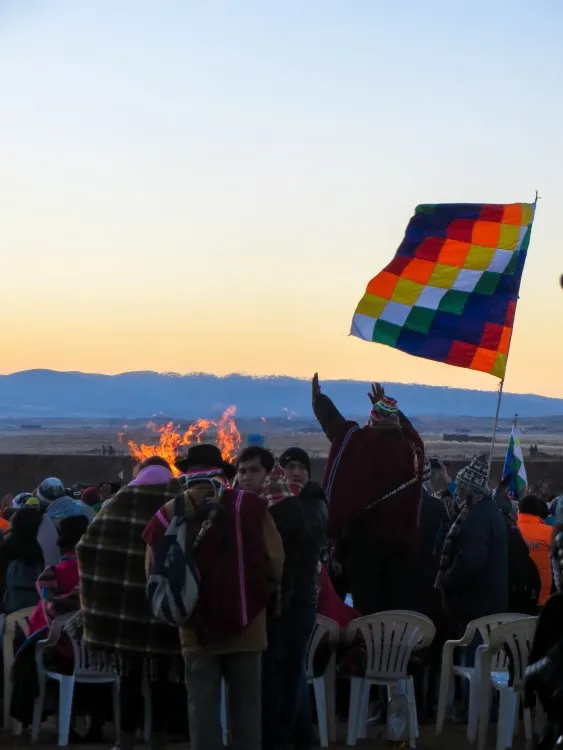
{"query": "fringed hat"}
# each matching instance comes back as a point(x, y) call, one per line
point(385, 411)
point(475, 477)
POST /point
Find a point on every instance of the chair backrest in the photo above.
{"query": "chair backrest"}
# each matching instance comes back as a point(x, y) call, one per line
point(390, 639)
point(325, 630)
point(515, 639)
point(12, 622)
point(485, 625)
point(61, 625)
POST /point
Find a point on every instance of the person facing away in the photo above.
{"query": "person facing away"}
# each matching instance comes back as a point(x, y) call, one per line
point(537, 536)
point(115, 620)
point(373, 482)
point(524, 581)
point(21, 560)
point(53, 495)
point(240, 562)
point(473, 574)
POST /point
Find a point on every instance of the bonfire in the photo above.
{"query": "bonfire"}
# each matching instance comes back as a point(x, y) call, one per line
point(171, 442)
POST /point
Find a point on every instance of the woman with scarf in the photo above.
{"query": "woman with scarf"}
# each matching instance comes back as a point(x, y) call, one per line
point(118, 628)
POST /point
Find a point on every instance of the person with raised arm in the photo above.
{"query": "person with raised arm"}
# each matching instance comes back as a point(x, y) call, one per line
point(373, 482)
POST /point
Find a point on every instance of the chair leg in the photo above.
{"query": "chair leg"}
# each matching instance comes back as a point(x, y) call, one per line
point(528, 727)
point(473, 713)
point(147, 724)
point(330, 688)
point(484, 713)
point(7, 695)
point(356, 689)
point(320, 702)
point(66, 693)
point(445, 682)
point(116, 708)
point(364, 712)
point(224, 714)
point(506, 718)
point(38, 708)
point(412, 717)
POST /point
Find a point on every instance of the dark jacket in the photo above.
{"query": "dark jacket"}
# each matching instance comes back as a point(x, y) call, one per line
point(434, 526)
point(523, 576)
point(476, 584)
point(289, 518)
point(314, 542)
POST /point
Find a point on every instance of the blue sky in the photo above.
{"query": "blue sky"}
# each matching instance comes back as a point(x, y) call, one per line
point(210, 186)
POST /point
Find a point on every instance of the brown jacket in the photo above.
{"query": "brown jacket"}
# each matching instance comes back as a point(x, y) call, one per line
point(253, 637)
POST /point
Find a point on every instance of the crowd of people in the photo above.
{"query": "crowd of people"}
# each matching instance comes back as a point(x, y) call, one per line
point(269, 549)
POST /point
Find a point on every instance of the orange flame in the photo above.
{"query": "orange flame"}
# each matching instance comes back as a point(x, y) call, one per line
point(170, 441)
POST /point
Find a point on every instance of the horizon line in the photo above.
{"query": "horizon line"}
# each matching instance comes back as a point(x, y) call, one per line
point(304, 379)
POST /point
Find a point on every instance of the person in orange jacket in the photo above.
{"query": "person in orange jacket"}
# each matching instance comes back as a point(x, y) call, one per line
point(537, 536)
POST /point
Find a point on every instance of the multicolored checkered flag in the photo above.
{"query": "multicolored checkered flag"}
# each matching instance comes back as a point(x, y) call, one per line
point(514, 465)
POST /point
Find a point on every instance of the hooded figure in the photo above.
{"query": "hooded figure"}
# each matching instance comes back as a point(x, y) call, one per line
point(52, 494)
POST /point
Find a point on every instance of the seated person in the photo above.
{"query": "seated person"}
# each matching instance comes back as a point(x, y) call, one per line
point(57, 585)
point(21, 560)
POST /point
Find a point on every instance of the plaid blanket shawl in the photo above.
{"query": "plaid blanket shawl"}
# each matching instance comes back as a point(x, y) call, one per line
point(115, 622)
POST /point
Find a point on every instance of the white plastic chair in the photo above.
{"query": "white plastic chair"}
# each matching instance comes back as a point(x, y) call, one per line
point(390, 638)
point(515, 639)
point(81, 674)
point(483, 626)
point(324, 686)
point(11, 623)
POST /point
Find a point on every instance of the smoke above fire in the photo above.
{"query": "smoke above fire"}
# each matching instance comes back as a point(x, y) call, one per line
point(171, 442)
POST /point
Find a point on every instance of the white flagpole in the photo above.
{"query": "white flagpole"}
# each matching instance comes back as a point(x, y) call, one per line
point(495, 425)
point(500, 390)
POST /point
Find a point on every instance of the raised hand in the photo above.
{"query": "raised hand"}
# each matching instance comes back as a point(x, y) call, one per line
point(376, 394)
point(316, 386)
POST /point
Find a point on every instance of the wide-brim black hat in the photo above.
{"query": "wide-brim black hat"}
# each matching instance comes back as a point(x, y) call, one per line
point(204, 456)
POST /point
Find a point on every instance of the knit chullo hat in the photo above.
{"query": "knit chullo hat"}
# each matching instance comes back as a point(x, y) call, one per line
point(474, 477)
point(385, 411)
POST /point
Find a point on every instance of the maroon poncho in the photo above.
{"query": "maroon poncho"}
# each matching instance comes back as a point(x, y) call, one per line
point(364, 465)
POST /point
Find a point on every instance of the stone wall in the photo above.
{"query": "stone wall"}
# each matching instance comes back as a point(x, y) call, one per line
point(20, 473)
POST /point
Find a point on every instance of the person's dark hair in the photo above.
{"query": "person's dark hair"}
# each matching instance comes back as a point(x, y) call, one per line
point(22, 539)
point(71, 530)
point(544, 509)
point(531, 505)
point(153, 461)
point(256, 451)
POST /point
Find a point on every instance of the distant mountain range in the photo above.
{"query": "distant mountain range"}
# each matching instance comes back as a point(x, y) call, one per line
point(46, 393)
